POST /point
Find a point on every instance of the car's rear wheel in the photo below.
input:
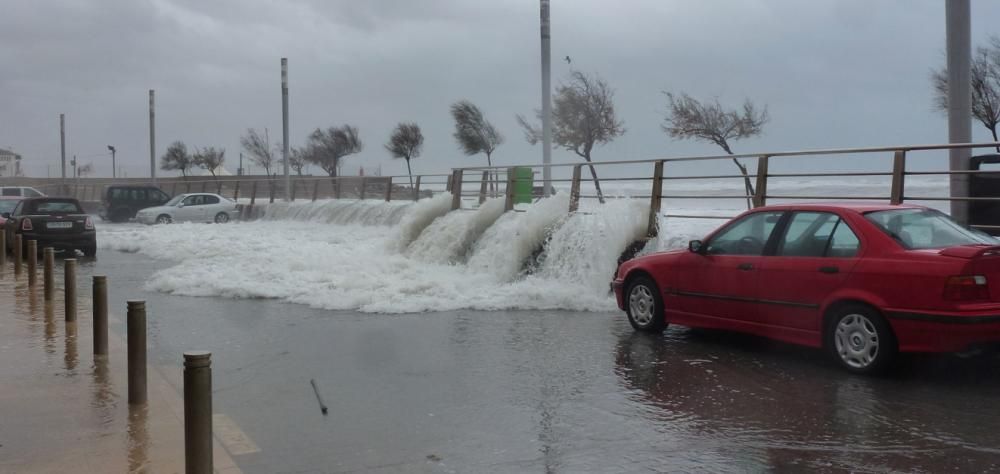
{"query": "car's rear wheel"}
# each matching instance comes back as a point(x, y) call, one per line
point(163, 219)
point(221, 218)
point(861, 340)
point(644, 305)
point(89, 250)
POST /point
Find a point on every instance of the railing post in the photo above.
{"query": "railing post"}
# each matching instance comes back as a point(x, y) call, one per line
point(364, 186)
point(508, 204)
point(173, 189)
point(295, 187)
point(448, 182)
point(69, 289)
point(204, 186)
point(100, 301)
point(416, 189)
point(653, 227)
point(270, 190)
point(482, 189)
point(17, 254)
point(456, 189)
point(236, 192)
point(218, 187)
point(32, 263)
point(136, 329)
point(574, 189)
point(48, 272)
point(198, 412)
point(898, 177)
point(760, 197)
point(336, 187)
point(315, 190)
point(187, 186)
point(388, 190)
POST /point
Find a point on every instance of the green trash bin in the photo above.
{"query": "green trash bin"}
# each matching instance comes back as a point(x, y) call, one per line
point(524, 183)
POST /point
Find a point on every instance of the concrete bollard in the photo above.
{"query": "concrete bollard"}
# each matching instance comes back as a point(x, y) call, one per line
point(48, 267)
point(32, 263)
point(17, 254)
point(100, 315)
point(69, 288)
point(136, 341)
point(198, 412)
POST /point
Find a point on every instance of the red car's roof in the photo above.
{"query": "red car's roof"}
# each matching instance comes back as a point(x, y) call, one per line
point(860, 207)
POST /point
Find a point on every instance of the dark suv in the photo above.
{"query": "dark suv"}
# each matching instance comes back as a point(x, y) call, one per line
point(120, 203)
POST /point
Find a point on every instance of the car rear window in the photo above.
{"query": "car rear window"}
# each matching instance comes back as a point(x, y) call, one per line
point(7, 205)
point(926, 229)
point(53, 207)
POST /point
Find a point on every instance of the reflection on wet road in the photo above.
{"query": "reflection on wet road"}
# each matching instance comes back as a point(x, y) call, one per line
point(555, 392)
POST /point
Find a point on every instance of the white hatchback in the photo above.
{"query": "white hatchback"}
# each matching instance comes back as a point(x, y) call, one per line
point(191, 207)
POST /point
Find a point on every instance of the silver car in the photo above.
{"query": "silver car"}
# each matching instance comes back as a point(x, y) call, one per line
point(191, 207)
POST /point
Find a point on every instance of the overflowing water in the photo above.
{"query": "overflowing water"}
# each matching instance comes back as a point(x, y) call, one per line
point(396, 257)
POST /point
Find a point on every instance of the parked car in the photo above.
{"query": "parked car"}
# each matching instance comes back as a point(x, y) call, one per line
point(863, 281)
point(121, 203)
point(6, 207)
point(192, 207)
point(53, 222)
point(19, 192)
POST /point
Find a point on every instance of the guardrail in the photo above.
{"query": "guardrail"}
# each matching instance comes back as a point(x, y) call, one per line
point(756, 182)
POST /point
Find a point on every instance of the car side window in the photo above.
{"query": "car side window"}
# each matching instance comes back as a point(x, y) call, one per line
point(11, 191)
point(747, 236)
point(159, 195)
point(32, 193)
point(193, 201)
point(817, 234)
point(211, 200)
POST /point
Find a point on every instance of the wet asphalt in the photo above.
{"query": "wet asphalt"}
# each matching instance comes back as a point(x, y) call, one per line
point(529, 391)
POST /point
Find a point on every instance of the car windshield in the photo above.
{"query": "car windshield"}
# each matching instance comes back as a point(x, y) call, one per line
point(173, 201)
point(62, 206)
point(7, 205)
point(926, 229)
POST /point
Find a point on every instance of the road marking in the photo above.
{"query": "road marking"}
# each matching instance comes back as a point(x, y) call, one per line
point(232, 437)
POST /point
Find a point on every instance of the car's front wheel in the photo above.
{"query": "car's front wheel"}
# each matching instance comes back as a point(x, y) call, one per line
point(221, 218)
point(163, 219)
point(861, 340)
point(644, 305)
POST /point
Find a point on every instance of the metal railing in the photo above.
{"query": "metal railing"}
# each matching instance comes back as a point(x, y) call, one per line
point(662, 187)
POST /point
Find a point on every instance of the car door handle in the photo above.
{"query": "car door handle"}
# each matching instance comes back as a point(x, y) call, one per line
point(829, 270)
point(745, 266)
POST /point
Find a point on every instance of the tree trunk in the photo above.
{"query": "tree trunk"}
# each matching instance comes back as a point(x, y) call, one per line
point(994, 130)
point(490, 177)
point(597, 183)
point(409, 172)
point(747, 185)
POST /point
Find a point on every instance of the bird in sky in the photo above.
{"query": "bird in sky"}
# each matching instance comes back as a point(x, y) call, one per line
point(568, 60)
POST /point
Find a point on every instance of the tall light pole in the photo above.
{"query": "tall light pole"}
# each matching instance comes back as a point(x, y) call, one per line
point(284, 127)
point(152, 139)
point(546, 101)
point(959, 47)
point(114, 172)
point(62, 143)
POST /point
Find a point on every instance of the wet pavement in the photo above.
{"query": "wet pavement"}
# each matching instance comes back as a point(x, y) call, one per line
point(547, 392)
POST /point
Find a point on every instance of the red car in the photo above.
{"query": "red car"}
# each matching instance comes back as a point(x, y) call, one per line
point(864, 281)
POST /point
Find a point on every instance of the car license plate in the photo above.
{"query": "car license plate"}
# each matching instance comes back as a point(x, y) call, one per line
point(59, 225)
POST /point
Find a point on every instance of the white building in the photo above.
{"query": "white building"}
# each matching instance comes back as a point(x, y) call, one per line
point(10, 163)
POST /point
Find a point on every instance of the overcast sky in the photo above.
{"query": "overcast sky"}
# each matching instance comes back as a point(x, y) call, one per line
point(833, 73)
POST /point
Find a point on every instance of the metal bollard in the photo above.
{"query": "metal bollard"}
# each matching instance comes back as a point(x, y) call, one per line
point(3, 249)
point(32, 263)
point(136, 340)
point(100, 315)
point(69, 288)
point(48, 267)
point(17, 254)
point(198, 412)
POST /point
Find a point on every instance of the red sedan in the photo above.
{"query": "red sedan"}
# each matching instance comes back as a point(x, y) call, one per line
point(864, 281)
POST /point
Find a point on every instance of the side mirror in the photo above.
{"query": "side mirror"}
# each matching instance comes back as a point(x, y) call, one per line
point(180, 204)
point(694, 246)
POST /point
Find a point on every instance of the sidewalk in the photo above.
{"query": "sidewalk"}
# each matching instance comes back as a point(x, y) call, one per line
point(62, 410)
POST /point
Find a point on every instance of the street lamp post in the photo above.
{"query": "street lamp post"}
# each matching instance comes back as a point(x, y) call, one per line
point(114, 172)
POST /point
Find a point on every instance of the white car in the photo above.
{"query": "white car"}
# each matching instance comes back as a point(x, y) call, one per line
point(20, 191)
point(191, 207)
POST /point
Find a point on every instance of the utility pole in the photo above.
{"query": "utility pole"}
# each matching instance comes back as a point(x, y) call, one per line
point(239, 172)
point(152, 139)
point(62, 143)
point(284, 126)
point(959, 47)
point(546, 101)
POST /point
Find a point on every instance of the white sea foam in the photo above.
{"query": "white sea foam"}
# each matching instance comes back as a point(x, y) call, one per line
point(449, 237)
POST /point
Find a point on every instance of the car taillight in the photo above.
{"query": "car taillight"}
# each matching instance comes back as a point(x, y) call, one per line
point(89, 223)
point(966, 288)
point(26, 224)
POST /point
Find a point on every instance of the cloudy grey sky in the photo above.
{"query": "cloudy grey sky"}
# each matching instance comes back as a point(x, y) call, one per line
point(833, 73)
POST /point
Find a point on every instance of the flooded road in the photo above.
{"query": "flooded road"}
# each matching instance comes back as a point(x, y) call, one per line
point(535, 391)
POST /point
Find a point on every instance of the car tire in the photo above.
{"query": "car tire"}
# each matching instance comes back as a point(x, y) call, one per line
point(221, 218)
point(164, 219)
point(644, 305)
point(861, 340)
point(89, 251)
